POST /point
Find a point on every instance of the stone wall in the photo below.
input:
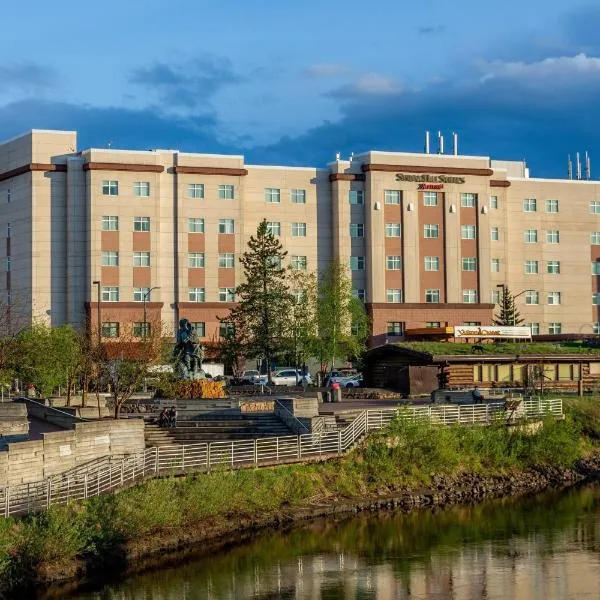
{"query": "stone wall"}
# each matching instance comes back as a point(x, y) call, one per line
point(14, 426)
point(60, 451)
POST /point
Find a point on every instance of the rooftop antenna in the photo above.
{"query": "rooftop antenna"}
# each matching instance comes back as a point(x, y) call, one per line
point(455, 143)
point(588, 166)
point(569, 167)
point(578, 161)
point(338, 156)
point(427, 143)
point(441, 143)
point(109, 145)
point(351, 156)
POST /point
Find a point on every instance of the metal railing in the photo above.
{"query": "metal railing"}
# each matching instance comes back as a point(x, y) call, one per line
point(110, 474)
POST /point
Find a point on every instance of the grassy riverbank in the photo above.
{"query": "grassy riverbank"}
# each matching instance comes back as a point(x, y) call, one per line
point(405, 457)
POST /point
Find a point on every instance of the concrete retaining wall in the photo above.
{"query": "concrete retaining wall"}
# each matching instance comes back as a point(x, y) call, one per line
point(14, 426)
point(25, 462)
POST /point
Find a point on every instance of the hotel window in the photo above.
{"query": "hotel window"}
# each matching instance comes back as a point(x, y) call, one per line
point(595, 238)
point(596, 268)
point(200, 328)
point(430, 198)
point(468, 232)
point(8, 264)
point(532, 297)
point(226, 191)
point(298, 229)
point(431, 231)
point(298, 196)
point(110, 187)
point(469, 264)
point(299, 263)
point(596, 299)
point(472, 323)
point(196, 225)
point(110, 224)
point(141, 223)
point(531, 267)
point(8, 228)
point(392, 229)
point(596, 328)
point(196, 260)
point(432, 296)
point(226, 329)
point(467, 200)
point(554, 298)
point(196, 294)
point(226, 226)
point(535, 328)
point(433, 324)
point(226, 260)
point(391, 196)
point(432, 263)
point(141, 259)
point(470, 296)
point(495, 234)
point(493, 201)
point(393, 263)
point(355, 196)
point(110, 294)
point(272, 195)
point(553, 236)
point(394, 295)
point(110, 329)
point(226, 294)
point(274, 228)
point(530, 236)
point(495, 265)
point(495, 297)
point(8, 197)
point(551, 206)
point(274, 261)
point(554, 328)
point(595, 207)
point(395, 328)
point(554, 267)
point(141, 329)
point(359, 294)
point(110, 258)
point(140, 293)
point(357, 263)
point(196, 190)
point(357, 230)
point(530, 205)
point(141, 189)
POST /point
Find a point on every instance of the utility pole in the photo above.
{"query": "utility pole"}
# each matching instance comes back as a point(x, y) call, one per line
point(99, 324)
point(145, 324)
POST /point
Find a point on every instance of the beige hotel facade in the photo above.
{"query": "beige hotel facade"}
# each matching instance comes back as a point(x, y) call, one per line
point(428, 238)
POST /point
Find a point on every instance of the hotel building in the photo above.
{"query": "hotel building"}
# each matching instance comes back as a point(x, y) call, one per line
point(428, 238)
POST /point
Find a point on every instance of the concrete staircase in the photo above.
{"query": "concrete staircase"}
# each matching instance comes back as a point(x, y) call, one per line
point(216, 427)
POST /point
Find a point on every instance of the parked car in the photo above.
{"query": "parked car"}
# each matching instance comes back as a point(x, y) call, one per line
point(352, 381)
point(285, 377)
point(334, 376)
point(249, 377)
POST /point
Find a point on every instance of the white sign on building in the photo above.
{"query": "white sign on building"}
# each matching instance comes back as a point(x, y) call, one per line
point(491, 331)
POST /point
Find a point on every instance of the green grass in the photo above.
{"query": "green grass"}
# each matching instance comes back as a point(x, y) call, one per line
point(407, 454)
point(447, 348)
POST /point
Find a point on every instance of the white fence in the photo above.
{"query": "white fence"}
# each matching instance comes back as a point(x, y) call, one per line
point(109, 474)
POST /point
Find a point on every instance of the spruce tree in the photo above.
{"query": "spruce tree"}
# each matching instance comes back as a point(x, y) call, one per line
point(507, 314)
point(264, 300)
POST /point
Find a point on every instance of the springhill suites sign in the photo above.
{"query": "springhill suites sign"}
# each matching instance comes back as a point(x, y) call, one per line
point(429, 178)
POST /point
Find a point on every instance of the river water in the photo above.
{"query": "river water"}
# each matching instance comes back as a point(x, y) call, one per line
point(545, 547)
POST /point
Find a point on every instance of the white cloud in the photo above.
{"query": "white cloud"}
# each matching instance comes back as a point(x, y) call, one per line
point(369, 85)
point(549, 68)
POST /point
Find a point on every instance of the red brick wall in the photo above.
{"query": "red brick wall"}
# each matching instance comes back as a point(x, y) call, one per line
point(417, 315)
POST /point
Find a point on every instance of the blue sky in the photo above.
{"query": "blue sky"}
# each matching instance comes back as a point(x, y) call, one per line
point(294, 83)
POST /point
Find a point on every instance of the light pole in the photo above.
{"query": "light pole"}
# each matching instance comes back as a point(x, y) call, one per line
point(99, 325)
point(146, 296)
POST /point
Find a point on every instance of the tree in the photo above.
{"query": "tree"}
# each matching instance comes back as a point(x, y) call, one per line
point(124, 365)
point(342, 322)
point(507, 314)
point(263, 299)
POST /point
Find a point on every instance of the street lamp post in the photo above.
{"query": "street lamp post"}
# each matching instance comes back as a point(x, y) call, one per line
point(146, 296)
point(503, 286)
point(99, 324)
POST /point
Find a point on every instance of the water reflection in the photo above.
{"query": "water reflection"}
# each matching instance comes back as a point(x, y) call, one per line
point(546, 548)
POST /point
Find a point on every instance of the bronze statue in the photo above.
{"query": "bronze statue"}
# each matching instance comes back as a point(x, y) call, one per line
point(188, 352)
